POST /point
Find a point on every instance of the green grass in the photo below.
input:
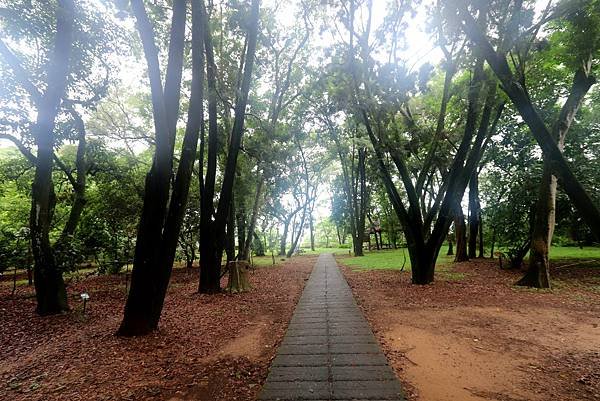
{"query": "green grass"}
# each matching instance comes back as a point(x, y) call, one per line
point(9, 283)
point(446, 271)
point(574, 252)
point(266, 261)
point(318, 251)
point(393, 259)
point(565, 252)
point(389, 259)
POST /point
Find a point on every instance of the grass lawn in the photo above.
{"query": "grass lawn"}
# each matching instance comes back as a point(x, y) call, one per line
point(574, 252)
point(318, 251)
point(389, 259)
point(394, 258)
point(267, 260)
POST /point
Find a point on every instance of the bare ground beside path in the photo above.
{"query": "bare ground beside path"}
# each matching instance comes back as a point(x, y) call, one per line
point(208, 347)
point(480, 338)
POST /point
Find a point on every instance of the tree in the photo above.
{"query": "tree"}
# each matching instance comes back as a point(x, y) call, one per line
point(309, 195)
point(50, 288)
point(351, 151)
point(213, 222)
point(15, 182)
point(339, 209)
point(497, 59)
point(107, 230)
point(283, 52)
point(436, 189)
point(325, 231)
point(67, 79)
point(163, 212)
point(586, 40)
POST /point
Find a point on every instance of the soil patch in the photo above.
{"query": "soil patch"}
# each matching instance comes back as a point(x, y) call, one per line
point(481, 338)
point(208, 347)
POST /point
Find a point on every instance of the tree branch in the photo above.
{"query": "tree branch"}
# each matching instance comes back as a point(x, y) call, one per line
point(21, 74)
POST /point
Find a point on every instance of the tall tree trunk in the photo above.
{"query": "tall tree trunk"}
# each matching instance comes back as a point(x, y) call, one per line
point(255, 209)
point(298, 234)
point(339, 235)
point(538, 273)
point(357, 242)
point(161, 218)
point(474, 214)
point(518, 255)
point(460, 229)
point(210, 268)
point(210, 261)
point(481, 255)
point(140, 316)
point(240, 217)
point(50, 289)
point(78, 182)
point(283, 242)
point(422, 259)
point(183, 177)
point(311, 226)
point(450, 248)
point(359, 201)
point(230, 233)
point(213, 231)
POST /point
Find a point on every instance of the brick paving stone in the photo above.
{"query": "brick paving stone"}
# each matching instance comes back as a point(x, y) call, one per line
point(371, 373)
point(329, 351)
point(297, 390)
point(303, 349)
point(358, 359)
point(308, 340)
point(386, 390)
point(301, 360)
point(303, 373)
point(369, 338)
point(340, 348)
point(301, 331)
point(349, 331)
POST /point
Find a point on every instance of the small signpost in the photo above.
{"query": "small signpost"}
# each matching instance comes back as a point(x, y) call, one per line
point(84, 296)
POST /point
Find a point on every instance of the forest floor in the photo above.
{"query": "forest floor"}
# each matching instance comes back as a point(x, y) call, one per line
point(208, 347)
point(473, 335)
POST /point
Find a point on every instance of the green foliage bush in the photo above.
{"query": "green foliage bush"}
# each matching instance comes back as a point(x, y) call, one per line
point(14, 249)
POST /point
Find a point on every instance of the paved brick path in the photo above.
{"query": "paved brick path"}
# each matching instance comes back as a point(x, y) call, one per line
point(329, 351)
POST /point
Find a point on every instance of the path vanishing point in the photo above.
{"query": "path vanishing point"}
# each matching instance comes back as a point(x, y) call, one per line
point(329, 351)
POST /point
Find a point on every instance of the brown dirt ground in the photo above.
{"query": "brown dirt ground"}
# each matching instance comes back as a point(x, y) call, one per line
point(474, 336)
point(208, 347)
